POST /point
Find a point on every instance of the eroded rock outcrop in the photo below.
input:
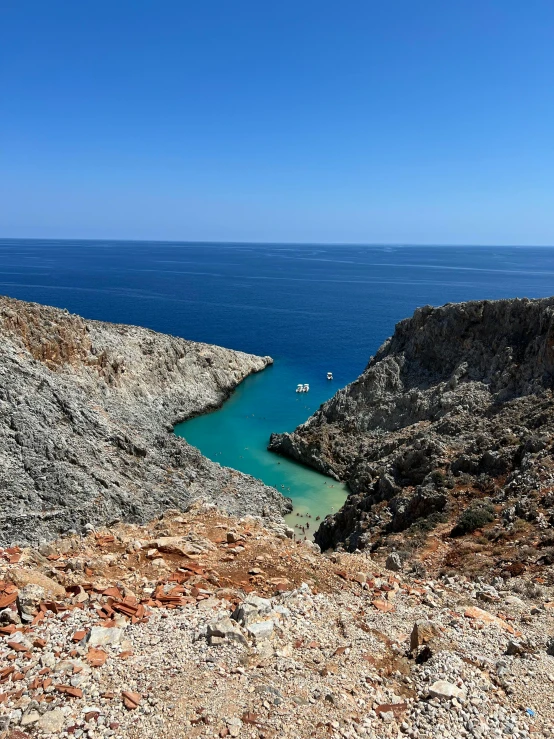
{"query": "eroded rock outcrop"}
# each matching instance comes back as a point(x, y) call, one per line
point(86, 414)
point(456, 406)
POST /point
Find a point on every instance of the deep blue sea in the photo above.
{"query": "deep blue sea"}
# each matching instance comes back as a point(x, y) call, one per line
point(313, 308)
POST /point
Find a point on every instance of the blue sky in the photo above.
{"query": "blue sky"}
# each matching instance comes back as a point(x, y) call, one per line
point(356, 121)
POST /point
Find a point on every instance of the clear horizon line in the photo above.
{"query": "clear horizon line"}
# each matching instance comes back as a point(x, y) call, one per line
point(203, 242)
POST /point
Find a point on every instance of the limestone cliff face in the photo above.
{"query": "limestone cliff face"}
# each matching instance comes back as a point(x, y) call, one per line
point(86, 414)
point(460, 390)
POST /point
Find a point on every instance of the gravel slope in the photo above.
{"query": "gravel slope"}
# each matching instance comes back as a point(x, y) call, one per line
point(205, 625)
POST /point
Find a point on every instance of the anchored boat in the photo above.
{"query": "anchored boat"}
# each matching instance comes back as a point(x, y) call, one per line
point(329, 375)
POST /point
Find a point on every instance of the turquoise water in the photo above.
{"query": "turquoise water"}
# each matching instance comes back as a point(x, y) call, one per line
point(237, 434)
point(314, 308)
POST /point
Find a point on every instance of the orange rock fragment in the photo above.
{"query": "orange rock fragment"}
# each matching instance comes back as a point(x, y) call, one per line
point(250, 718)
point(5, 674)
point(479, 615)
point(382, 605)
point(17, 646)
point(7, 599)
point(394, 707)
point(69, 690)
point(96, 657)
point(113, 593)
point(131, 700)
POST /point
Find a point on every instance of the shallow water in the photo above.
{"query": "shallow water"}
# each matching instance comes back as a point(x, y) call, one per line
point(237, 434)
point(313, 308)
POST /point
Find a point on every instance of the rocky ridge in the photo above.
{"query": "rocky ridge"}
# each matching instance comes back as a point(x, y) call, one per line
point(449, 432)
point(201, 624)
point(86, 414)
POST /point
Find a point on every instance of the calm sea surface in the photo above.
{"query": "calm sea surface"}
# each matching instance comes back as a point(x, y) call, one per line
point(314, 309)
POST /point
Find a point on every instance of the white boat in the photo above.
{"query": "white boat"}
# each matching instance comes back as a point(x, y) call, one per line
point(306, 388)
point(329, 375)
point(300, 388)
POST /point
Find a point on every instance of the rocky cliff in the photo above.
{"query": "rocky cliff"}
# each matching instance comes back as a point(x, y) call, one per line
point(86, 414)
point(451, 424)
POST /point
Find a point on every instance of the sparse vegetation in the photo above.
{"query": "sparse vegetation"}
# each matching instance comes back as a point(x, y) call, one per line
point(473, 518)
point(519, 526)
point(438, 477)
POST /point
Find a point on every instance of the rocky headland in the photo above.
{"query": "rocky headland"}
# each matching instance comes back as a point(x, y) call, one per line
point(160, 612)
point(446, 440)
point(87, 410)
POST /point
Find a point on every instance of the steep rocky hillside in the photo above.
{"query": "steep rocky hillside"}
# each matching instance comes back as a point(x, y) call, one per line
point(86, 414)
point(449, 430)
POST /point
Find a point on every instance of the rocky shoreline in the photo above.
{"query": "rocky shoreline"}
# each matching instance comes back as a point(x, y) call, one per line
point(86, 414)
point(447, 435)
point(188, 618)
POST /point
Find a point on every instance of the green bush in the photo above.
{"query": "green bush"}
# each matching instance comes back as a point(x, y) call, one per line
point(473, 518)
point(438, 477)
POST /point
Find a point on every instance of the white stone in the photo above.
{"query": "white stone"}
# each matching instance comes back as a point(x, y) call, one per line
point(100, 636)
point(224, 628)
point(30, 718)
point(444, 690)
point(51, 722)
point(261, 630)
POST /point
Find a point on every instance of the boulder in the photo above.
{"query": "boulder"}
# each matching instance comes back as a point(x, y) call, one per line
point(251, 610)
point(261, 630)
point(174, 545)
point(52, 589)
point(30, 597)
point(224, 629)
point(394, 562)
point(423, 633)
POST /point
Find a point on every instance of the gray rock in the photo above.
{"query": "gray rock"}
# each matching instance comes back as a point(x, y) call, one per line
point(251, 609)
point(261, 630)
point(452, 392)
point(394, 562)
point(224, 629)
point(29, 597)
point(87, 412)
